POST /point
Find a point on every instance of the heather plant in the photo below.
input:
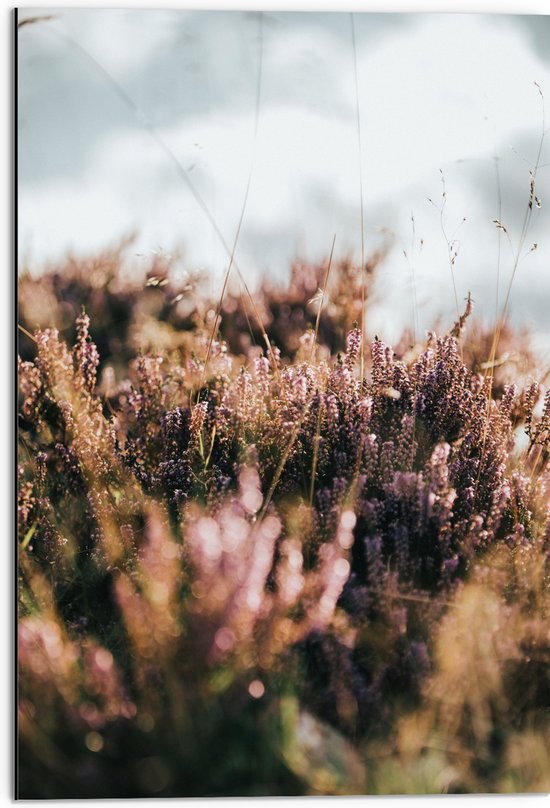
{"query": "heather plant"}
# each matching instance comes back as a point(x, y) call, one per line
point(143, 305)
point(261, 552)
point(342, 580)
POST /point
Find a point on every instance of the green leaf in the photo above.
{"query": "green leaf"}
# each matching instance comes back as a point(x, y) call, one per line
point(318, 753)
point(28, 536)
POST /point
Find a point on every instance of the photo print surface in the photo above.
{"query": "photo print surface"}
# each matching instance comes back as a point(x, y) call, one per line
point(284, 403)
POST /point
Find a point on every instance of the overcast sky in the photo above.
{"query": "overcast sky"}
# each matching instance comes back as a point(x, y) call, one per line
point(100, 91)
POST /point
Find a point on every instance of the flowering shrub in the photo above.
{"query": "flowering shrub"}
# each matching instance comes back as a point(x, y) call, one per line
point(234, 565)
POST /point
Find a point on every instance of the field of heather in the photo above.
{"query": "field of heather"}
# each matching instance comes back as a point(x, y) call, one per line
point(283, 527)
point(260, 555)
